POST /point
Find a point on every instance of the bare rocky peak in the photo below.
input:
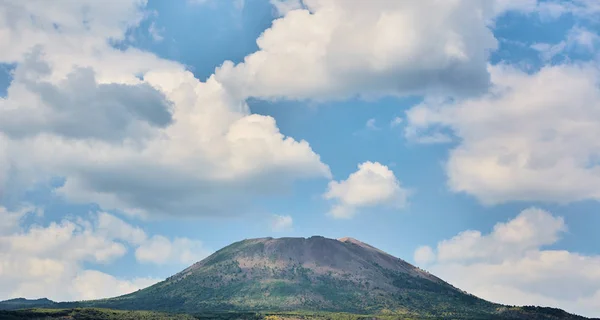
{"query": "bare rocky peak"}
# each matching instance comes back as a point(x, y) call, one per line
point(345, 257)
point(359, 243)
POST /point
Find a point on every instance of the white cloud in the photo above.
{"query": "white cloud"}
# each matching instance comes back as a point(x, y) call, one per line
point(116, 228)
point(161, 250)
point(68, 240)
point(43, 261)
point(424, 255)
point(432, 137)
point(371, 185)
point(155, 32)
point(379, 47)
point(70, 24)
point(281, 223)
point(285, 6)
point(583, 9)
point(91, 284)
point(367, 48)
point(79, 107)
point(371, 125)
point(523, 233)
point(578, 40)
point(527, 6)
point(128, 130)
point(396, 122)
point(10, 220)
point(532, 138)
point(548, 51)
point(510, 265)
point(156, 249)
point(48, 261)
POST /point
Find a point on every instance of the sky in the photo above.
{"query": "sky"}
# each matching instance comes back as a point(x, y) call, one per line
point(137, 137)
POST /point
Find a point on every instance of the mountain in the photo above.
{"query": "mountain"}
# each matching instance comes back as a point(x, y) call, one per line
point(302, 274)
point(313, 274)
point(22, 303)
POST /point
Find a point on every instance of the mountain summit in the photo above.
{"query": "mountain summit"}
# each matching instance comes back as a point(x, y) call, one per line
point(313, 273)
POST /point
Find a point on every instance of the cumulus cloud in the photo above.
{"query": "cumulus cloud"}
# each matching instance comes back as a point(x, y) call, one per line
point(380, 47)
point(373, 184)
point(532, 138)
point(155, 249)
point(53, 260)
point(11, 219)
point(128, 130)
point(161, 250)
point(43, 261)
point(115, 228)
point(68, 24)
point(78, 107)
point(523, 233)
point(424, 255)
point(67, 240)
point(92, 284)
point(134, 132)
point(510, 265)
point(367, 48)
point(281, 223)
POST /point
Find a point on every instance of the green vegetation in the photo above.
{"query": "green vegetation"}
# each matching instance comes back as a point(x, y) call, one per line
point(90, 314)
point(222, 286)
point(107, 314)
point(21, 303)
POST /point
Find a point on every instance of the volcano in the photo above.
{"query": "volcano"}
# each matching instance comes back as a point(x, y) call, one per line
point(313, 274)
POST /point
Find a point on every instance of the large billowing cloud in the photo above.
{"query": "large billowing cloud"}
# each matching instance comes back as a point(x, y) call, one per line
point(532, 138)
point(373, 184)
point(53, 260)
point(510, 264)
point(78, 107)
point(335, 48)
point(126, 129)
point(68, 24)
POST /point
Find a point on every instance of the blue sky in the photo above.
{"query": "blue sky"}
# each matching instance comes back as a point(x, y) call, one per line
point(490, 170)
